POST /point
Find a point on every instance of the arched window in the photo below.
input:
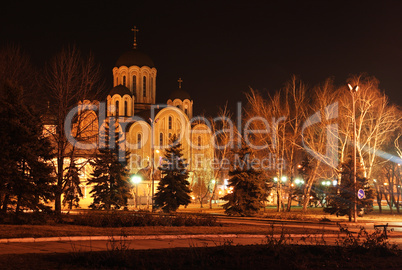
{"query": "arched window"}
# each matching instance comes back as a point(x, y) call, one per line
point(124, 80)
point(116, 108)
point(199, 140)
point(185, 111)
point(134, 83)
point(117, 81)
point(144, 86)
point(161, 139)
point(170, 122)
point(139, 140)
point(151, 85)
point(125, 108)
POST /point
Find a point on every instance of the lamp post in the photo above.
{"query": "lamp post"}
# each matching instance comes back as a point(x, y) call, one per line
point(152, 166)
point(353, 90)
point(279, 182)
point(153, 122)
point(136, 179)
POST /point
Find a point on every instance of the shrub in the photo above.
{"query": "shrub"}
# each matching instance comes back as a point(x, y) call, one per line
point(127, 219)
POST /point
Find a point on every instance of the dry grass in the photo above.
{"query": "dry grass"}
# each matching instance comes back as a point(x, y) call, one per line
point(17, 231)
point(314, 214)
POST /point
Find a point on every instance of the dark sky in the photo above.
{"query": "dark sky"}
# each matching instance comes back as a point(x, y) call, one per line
point(220, 48)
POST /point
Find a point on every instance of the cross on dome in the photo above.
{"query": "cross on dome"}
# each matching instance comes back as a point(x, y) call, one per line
point(180, 81)
point(135, 30)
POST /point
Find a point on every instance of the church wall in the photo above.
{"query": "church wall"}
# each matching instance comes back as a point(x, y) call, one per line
point(139, 73)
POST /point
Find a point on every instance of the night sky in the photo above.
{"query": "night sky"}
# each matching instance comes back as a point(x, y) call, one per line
point(221, 48)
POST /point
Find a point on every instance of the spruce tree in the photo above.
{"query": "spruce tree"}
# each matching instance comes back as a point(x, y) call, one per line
point(341, 199)
point(249, 186)
point(25, 176)
point(110, 179)
point(72, 190)
point(173, 189)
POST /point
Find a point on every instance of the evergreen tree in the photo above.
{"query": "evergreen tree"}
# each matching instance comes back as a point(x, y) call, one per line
point(249, 187)
point(341, 198)
point(173, 189)
point(72, 190)
point(110, 177)
point(25, 175)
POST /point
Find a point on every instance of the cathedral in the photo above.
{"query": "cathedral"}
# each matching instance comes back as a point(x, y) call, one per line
point(150, 126)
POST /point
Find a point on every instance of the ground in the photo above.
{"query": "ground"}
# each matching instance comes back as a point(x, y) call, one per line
point(220, 254)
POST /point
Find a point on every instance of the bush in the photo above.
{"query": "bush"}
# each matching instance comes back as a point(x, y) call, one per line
point(33, 218)
point(127, 219)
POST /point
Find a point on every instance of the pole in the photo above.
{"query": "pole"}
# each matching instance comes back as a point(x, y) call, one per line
point(152, 167)
point(136, 196)
point(354, 160)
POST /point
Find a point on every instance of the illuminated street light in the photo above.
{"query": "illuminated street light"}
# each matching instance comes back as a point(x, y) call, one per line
point(284, 179)
point(326, 183)
point(136, 179)
point(353, 90)
point(299, 181)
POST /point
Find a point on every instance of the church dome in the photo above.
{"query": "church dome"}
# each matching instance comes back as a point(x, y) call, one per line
point(120, 90)
point(134, 58)
point(180, 94)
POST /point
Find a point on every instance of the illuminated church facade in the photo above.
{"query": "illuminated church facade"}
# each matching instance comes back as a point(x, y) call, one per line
point(150, 127)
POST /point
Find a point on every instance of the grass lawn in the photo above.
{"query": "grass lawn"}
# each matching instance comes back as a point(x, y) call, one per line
point(20, 231)
point(313, 213)
point(17, 231)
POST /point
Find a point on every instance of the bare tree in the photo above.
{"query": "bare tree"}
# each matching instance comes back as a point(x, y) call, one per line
point(283, 114)
point(376, 120)
point(69, 79)
point(224, 137)
point(320, 138)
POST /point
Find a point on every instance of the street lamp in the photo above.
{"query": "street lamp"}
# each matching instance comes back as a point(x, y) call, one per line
point(135, 180)
point(353, 90)
point(153, 122)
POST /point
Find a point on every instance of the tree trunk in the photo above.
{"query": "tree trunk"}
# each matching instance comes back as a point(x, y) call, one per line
point(396, 203)
point(212, 196)
point(59, 191)
point(289, 203)
point(17, 209)
point(306, 196)
point(379, 199)
point(279, 196)
point(5, 203)
point(389, 202)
